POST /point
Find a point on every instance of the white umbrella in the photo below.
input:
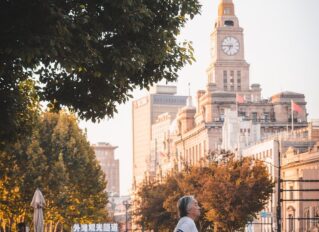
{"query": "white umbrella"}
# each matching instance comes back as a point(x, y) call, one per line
point(38, 204)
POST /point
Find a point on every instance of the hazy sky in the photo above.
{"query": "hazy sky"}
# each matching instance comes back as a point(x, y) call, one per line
point(281, 45)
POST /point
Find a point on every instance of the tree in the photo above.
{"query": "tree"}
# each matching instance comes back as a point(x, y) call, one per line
point(149, 211)
point(58, 159)
point(236, 192)
point(230, 192)
point(89, 55)
point(156, 201)
point(79, 183)
point(22, 165)
point(19, 106)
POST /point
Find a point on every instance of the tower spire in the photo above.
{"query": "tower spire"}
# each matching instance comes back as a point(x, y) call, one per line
point(226, 8)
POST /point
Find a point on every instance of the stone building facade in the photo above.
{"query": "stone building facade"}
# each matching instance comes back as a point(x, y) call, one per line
point(161, 99)
point(198, 129)
point(104, 153)
point(228, 88)
point(297, 149)
point(300, 207)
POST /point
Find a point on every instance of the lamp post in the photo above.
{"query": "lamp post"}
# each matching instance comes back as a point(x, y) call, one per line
point(279, 191)
point(278, 211)
point(127, 205)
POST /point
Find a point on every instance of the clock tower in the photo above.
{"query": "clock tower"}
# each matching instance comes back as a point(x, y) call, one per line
point(228, 69)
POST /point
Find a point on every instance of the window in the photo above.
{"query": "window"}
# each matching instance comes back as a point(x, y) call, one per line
point(186, 156)
point(229, 23)
point(238, 80)
point(266, 116)
point(307, 221)
point(316, 215)
point(197, 153)
point(291, 193)
point(290, 223)
point(254, 116)
point(242, 114)
point(232, 74)
point(225, 80)
point(193, 155)
point(225, 73)
point(227, 11)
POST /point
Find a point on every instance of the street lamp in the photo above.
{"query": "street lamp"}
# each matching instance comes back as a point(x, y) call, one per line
point(279, 191)
point(127, 205)
point(278, 213)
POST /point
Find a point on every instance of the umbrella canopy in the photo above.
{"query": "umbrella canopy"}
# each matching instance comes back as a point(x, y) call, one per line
point(38, 204)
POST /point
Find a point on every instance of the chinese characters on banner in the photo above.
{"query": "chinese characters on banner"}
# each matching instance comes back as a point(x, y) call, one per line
point(105, 227)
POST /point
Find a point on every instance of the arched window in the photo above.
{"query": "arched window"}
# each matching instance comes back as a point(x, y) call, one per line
point(291, 223)
point(291, 219)
point(307, 221)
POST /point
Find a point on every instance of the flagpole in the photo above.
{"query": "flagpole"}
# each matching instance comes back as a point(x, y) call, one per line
point(236, 104)
point(292, 116)
point(236, 107)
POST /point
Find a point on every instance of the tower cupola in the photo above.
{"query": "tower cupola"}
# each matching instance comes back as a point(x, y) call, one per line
point(226, 8)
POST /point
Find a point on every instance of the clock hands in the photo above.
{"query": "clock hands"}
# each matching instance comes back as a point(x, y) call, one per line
point(230, 45)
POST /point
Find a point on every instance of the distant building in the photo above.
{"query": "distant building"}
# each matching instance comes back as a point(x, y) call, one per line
point(146, 110)
point(104, 153)
point(162, 159)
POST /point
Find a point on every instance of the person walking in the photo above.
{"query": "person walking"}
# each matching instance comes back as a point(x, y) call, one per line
point(188, 211)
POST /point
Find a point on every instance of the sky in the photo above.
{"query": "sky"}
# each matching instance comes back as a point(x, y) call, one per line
point(281, 45)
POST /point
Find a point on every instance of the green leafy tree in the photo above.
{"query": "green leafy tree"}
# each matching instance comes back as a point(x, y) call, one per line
point(22, 165)
point(79, 193)
point(16, 148)
point(58, 159)
point(88, 55)
point(19, 106)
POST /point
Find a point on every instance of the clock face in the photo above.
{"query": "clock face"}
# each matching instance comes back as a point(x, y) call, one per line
point(230, 45)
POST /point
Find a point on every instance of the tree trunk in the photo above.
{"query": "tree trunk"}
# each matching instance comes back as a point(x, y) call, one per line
point(56, 226)
point(51, 226)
